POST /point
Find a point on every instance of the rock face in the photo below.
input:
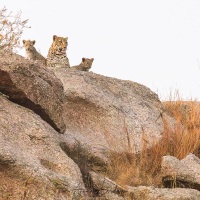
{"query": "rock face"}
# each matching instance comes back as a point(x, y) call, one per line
point(34, 87)
point(96, 115)
point(32, 164)
point(108, 114)
point(181, 173)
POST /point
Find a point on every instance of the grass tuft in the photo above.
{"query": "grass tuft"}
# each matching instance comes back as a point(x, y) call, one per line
point(144, 168)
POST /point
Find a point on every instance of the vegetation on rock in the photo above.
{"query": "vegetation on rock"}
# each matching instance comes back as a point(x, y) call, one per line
point(144, 168)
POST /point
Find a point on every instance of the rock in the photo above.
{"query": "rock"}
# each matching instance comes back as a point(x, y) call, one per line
point(110, 190)
point(32, 164)
point(181, 173)
point(33, 86)
point(112, 196)
point(151, 193)
point(104, 184)
point(106, 114)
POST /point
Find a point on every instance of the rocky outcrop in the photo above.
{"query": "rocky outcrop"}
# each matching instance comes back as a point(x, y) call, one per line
point(101, 115)
point(32, 164)
point(181, 173)
point(104, 114)
point(33, 86)
point(108, 114)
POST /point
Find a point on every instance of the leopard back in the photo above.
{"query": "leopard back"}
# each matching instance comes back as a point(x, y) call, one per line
point(57, 56)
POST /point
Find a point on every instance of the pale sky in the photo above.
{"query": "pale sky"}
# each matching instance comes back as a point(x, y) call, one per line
point(153, 42)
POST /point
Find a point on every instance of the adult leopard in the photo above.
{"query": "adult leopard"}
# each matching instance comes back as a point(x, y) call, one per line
point(57, 56)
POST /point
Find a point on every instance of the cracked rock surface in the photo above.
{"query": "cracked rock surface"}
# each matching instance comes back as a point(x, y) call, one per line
point(33, 86)
point(31, 159)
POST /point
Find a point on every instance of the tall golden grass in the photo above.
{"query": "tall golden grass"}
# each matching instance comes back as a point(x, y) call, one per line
point(144, 168)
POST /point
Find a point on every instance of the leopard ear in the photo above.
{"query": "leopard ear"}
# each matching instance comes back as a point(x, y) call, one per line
point(54, 37)
point(66, 38)
point(92, 59)
point(33, 42)
point(83, 59)
point(24, 41)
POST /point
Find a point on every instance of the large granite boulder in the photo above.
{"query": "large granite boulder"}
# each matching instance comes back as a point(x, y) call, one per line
point(101, 115)
point(33, 86)
point(181, 173)
point(32, 164)
point(107, 114)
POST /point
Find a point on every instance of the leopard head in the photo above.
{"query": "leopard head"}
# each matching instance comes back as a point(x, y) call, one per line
point(87, 62)
point(59, 45)
point(29, 44)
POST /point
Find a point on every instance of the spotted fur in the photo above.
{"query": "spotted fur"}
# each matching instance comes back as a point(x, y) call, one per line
point(57, 56)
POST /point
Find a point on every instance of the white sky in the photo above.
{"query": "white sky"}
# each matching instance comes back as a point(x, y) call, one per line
point(152, 42)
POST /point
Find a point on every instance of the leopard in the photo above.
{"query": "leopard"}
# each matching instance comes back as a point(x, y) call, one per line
point(57, 55)
point(85, 65)
point(32, 53)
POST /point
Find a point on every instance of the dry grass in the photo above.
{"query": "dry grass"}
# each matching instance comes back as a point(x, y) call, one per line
point(144, 168)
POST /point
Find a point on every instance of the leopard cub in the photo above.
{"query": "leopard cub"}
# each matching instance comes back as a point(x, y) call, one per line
point(85, 65)
point(31, 52)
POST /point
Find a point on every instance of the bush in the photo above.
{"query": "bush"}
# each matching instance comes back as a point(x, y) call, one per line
point(11, 29)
